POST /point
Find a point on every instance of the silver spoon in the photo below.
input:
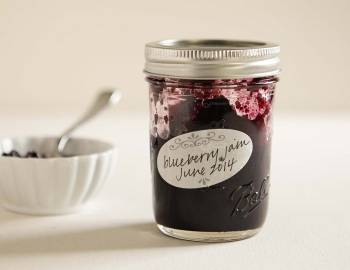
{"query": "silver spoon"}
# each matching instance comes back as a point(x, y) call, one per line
point(103, 100)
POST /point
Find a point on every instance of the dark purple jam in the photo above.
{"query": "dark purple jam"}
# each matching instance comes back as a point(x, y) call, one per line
point(184, 106)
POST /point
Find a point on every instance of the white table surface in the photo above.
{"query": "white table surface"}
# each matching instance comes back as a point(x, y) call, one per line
point(308, 225)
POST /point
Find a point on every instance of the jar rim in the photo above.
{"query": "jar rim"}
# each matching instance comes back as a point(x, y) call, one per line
point(211, 58)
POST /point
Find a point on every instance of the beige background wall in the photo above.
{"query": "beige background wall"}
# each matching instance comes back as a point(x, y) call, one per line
point(55, 54)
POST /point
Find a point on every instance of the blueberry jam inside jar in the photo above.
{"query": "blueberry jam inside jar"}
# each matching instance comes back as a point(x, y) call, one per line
point(210, 136)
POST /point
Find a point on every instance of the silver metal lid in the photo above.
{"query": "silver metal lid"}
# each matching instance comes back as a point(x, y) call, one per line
point(211, 59)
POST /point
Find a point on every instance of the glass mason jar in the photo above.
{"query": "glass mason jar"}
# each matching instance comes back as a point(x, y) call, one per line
point(210, 127)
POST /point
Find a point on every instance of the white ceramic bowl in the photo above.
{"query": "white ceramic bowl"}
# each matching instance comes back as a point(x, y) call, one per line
point(49, 186)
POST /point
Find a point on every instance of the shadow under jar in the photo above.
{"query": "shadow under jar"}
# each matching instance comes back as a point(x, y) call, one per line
point(210, 126)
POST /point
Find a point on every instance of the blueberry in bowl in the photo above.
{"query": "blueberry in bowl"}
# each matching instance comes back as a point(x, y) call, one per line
point(29, 154)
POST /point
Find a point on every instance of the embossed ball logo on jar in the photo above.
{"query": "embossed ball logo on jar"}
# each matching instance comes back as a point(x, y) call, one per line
point(203, 158)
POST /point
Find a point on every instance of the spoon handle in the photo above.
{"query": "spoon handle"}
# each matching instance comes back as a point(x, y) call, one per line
point(103, 100)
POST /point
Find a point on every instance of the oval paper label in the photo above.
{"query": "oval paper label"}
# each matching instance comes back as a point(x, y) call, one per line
point(203, 158)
